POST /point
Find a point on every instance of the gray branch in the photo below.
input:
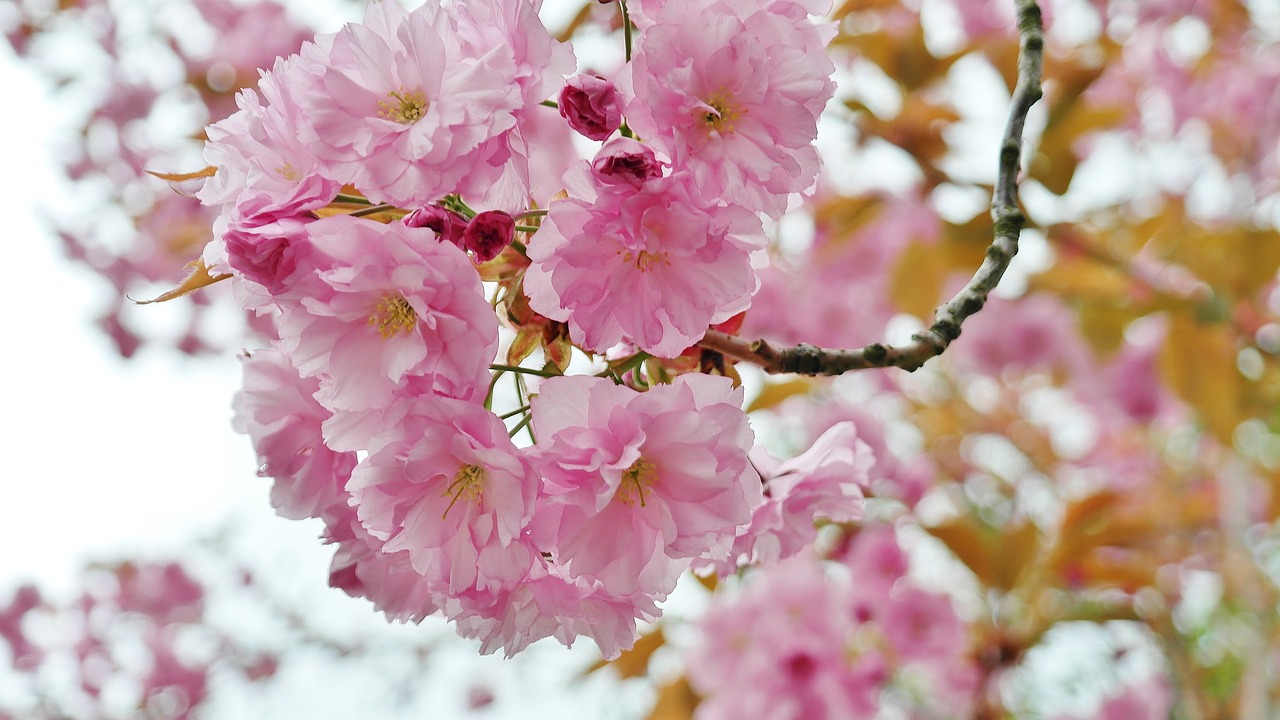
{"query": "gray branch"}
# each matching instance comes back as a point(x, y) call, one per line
point(808, 359)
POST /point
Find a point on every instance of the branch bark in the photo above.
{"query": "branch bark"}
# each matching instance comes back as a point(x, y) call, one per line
point(806, 359)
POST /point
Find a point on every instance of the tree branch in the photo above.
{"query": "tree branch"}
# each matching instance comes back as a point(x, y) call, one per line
point(808, 359)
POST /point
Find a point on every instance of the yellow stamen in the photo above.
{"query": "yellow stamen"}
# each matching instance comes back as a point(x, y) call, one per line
point(288, 172)
point(405, 107)
point(635, 480)
point(468, 484)
point(723, 115)
point(393, 314)
point(644, 259)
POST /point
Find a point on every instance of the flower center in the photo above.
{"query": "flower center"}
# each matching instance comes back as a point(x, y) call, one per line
point(467, 485)
point(392, 315)
point(722, 115)
point(289, 172)
point(405, 106)
point(644, 259)
point(635, 480)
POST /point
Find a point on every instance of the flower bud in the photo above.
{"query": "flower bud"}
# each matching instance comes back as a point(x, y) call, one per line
point(489, 232)
point(447, 224)
point(623, 161)
point(590, 104)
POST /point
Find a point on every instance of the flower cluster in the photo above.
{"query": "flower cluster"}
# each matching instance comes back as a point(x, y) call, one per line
point(811, 639)
point(346, 186)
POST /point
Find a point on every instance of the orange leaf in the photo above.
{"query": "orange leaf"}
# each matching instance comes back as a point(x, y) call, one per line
point(633, 662)
point(198, 278)
point(181, 177)
point(676, 701)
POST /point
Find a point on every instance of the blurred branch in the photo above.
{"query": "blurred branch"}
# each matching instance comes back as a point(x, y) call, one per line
point(807, 359)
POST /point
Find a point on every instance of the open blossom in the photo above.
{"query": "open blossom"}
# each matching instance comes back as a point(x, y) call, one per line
point(652, 265)
point(362, 568)
point(387, 310)
point(277, 410)
point(454, 492)
point(550, 604)
point(413, 105)
point(260, 155)
point(732, 91)
point(823, 483)
point(637, 484)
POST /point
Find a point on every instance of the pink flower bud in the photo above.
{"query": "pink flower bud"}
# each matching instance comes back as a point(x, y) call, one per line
point(447, 224)
point(590, 104)
point(626, 161)
point(489, 232)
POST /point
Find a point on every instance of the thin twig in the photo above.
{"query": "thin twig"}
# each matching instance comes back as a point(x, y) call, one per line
point(808, 359)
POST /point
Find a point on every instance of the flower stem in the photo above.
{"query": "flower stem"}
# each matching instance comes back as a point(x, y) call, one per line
point(520, 426)
point(374, 210)
point(524, 370)
point(513, 413)
point(352, 199)
point(626, 27)
point(530, 214)
point(550, 104)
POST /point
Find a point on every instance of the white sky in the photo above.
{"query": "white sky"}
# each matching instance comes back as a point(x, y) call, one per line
point(106, 456)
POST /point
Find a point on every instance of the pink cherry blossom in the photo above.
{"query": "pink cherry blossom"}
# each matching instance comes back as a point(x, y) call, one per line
point(258, 151)
point(387, 310)
point(653, 266)
point(626, 161)
point(362, 568)
point(823, 483)
point(550, 604)
point(732, 91)
point(637, 484)
point(877, 563)
point(590, 105)
point(781, 649)
point(447, 224)
point(487, 233)
point(277, 410)
point(411, 106)
point(455, 493)
point(922, 626)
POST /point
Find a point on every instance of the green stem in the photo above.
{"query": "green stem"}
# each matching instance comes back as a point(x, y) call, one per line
point(513, 413)
point(524, 370)
point(520, 248)
point(530, 214)
point(626, 27)
point(622, 368)
point(526, 228)
point(550, 104)
point(352, 199)
point(372, 210)
point(520, 426)
point(493, 383)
